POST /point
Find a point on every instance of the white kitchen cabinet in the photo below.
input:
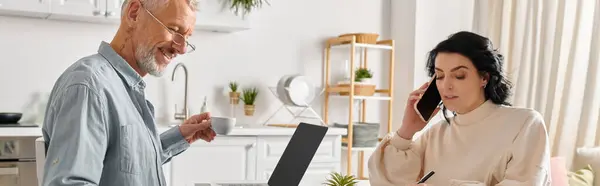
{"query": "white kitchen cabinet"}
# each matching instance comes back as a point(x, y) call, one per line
point(245, 154)
point(315, 175)
point(113, 10)
point(94, 11)
point(29, 8)
point(225, 158)
point(80, 10)
point(167, 173)
point(326, 159)
point(212, 15)
point(248, 158)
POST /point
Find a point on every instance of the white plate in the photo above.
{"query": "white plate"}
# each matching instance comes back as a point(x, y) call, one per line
point(301, 92)
point(281, 90)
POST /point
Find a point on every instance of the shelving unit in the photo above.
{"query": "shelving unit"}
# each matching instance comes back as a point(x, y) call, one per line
point(350, 42)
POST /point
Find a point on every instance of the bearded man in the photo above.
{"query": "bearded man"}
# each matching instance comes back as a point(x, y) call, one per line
point(99, 128)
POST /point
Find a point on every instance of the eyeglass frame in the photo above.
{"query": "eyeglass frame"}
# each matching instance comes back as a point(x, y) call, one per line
point(192, 47)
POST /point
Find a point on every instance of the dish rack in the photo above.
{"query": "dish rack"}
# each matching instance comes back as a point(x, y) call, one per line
point(283, 93)
point(357, 92)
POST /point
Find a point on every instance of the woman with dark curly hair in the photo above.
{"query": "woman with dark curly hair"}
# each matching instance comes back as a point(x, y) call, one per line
point(482, 140)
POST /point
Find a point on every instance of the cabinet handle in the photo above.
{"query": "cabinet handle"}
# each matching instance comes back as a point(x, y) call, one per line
point(111, 13)
point(250, 146)
point(99, 13)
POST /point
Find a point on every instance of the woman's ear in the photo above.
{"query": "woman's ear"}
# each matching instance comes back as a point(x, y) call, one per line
point(485, 79)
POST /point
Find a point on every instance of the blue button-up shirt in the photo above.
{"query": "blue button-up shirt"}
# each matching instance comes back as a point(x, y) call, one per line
point(100, 129)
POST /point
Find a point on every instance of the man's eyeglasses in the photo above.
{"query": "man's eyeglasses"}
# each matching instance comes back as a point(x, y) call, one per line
point(177, 37)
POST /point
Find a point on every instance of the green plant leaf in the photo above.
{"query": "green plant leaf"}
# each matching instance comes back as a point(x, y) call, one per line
point(233, 86)
point(244, 7)
point(338, 179)
point(249, 95)
point(362, 73)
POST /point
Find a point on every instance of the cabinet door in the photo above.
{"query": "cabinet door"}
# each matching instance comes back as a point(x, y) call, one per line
point(113, 10)
point(225, 158)
point(31, 8)
point(78, 9)
point(272, 147)
point(167, 173)
point(326, 159)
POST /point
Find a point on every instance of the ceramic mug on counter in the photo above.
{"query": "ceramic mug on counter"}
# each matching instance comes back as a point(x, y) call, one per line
point(222, 125)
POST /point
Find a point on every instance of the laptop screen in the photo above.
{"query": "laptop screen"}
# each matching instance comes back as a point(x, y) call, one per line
point(297, 155)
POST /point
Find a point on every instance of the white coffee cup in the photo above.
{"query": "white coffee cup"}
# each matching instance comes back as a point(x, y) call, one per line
point(222, 125)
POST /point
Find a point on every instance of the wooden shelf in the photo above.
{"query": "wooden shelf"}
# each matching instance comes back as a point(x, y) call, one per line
point(333, 91)
point(356, 149)
point(346, 42)
point(382, 98)
point(363, 45)
point(337, 89)
point(384, 94)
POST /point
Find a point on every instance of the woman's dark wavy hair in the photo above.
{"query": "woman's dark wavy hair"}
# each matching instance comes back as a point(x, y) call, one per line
point(484, 57)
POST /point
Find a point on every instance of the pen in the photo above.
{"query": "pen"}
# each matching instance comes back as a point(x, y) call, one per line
point(426, 177)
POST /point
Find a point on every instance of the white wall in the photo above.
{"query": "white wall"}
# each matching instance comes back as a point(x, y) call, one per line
point(436, 20)
point(286, 38)
point(419, 26)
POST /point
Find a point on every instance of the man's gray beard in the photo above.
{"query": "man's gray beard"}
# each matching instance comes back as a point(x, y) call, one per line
point(147, 62)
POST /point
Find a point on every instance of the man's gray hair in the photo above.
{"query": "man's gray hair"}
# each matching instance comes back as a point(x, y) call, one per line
point(153, 4)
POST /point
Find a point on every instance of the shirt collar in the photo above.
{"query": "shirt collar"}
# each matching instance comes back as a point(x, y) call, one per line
point(126, 72)
point(477, 115)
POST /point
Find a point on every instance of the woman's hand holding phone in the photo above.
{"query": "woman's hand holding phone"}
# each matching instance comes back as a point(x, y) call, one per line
point(412, 123)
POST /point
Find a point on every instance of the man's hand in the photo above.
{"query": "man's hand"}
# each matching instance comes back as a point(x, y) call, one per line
point(198, 127)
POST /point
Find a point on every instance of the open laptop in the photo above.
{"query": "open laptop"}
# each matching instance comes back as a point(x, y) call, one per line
point(293, 162)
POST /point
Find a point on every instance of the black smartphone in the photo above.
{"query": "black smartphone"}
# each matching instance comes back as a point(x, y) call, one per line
point(430, 100)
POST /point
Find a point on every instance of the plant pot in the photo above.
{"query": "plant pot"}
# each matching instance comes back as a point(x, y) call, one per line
point(366, 81)
point(249, 110)
point(234, 98)
point(360, 89)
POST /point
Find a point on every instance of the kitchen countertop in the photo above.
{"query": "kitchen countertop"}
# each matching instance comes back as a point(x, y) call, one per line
point(245, 131)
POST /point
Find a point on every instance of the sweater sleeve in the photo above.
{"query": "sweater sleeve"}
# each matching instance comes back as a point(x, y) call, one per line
point(397, 161)
point(530, 162)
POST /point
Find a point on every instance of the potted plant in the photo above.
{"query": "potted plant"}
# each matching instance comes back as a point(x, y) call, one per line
point(249, 97)
point(363, 75)
point(363, 85)
point(338, 179)
point(234, 95)
point(245, 6)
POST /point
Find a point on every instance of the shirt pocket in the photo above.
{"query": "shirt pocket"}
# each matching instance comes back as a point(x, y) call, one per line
point(129, 150)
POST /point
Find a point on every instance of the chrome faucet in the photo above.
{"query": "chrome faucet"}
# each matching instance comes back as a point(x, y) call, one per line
point(182, 116)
